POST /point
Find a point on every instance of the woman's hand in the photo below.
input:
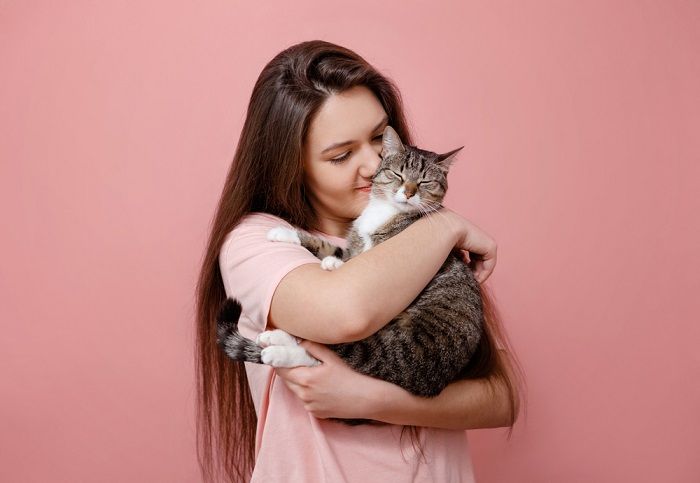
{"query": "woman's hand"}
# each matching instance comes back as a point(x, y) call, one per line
point(478, 248)
point(332, 389)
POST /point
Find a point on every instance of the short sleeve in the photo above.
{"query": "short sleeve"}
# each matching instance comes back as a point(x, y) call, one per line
point(252, 267)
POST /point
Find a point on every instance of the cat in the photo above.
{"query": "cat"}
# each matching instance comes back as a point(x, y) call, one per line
point(430, 343)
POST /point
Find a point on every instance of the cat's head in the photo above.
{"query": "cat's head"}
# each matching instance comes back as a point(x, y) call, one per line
point(409, 177)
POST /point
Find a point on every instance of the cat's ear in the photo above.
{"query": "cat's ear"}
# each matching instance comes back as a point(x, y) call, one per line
point(444, 161)
point(391, 142)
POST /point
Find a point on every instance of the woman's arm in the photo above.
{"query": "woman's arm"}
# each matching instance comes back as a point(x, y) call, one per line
point(463, 404)
point(370, 289)
point(333, 389)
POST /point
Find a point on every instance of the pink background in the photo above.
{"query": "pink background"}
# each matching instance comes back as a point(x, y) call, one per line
point(580, 120)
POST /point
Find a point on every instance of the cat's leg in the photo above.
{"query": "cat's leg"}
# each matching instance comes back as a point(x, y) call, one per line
point(281, 349)
point(331, 263)
point(283, 234)
point(275, 337)
point(287, 356)
point(332, 256)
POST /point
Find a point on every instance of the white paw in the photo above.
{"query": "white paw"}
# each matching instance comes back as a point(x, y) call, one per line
point(275, 337)
point(331, 263)
point(286, 356)
point(282, 234)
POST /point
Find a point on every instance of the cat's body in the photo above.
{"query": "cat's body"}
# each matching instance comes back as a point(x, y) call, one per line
point(429, 344)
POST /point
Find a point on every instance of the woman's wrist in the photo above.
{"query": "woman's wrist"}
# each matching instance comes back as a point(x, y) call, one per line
point(471, 239)
point(450, 222)
point(389, 400)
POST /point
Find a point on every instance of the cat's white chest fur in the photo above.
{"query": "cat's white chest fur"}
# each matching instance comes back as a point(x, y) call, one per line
point(376, 213)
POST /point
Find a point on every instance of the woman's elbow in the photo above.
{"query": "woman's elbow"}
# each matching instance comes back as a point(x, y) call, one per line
point(329, 322)
point(355, 326)
point(506, 405)
point(354, 322)
point(366, 315)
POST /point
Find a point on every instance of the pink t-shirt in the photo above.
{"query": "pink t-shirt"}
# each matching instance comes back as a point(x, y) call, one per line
point(292, 445)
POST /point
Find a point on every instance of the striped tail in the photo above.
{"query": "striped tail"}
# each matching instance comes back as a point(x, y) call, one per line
point(229, 339)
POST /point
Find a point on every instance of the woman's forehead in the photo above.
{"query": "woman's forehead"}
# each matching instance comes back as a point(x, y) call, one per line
point(348, 116)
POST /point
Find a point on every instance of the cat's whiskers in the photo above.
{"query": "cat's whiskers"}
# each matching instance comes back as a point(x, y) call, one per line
point(425, 207)
point(425, 211)
point(428, 206)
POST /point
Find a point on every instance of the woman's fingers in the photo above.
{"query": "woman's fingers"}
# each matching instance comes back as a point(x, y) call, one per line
point(482, 267)
point(294, 375)
point(482, 252)
point(331, 389)
point(303, 375)
point(298, 390)
point(472, 239)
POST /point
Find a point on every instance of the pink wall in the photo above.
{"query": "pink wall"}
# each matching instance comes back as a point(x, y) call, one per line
point(581, 122)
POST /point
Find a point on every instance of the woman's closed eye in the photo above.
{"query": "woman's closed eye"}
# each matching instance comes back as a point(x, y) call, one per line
point(343, 157)
point(340, 159)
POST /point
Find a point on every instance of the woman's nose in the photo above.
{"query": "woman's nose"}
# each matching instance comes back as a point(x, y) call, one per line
point(369, 162)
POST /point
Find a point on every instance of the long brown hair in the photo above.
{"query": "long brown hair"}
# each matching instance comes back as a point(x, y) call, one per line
point(266, 175)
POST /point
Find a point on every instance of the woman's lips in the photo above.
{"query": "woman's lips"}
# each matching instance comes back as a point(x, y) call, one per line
point(365, 189)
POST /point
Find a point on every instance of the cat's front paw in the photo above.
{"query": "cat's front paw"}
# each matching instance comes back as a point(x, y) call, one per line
point(286, 356)
point(275, 337)
point(283, 234)
point(331, 263)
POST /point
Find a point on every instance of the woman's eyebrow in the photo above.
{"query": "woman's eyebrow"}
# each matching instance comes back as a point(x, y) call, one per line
point(345, 143)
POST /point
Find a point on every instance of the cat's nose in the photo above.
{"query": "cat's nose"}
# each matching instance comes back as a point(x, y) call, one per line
point(410, 189)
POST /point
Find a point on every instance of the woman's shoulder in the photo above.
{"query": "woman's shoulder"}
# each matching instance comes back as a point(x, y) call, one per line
point(255, 223)
point(251, 231)
point(259, 218)
point(249, 236)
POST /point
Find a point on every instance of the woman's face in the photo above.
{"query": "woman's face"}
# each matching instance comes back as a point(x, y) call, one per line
point(342, 153)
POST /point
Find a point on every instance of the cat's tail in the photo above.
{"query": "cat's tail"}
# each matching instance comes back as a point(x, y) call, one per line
point(229, 339)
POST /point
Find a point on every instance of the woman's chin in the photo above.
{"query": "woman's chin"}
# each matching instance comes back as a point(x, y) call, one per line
point(360, 203)
point(362, 196)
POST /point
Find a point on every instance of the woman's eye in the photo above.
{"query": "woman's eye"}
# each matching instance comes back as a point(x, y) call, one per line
point(340, 159)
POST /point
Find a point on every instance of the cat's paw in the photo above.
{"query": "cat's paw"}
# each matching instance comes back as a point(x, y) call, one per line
point(331, 263)
point(286, 356)
point(283, 234)
point(275, 337)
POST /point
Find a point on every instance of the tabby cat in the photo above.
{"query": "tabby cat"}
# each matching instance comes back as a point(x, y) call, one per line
point(426, 346)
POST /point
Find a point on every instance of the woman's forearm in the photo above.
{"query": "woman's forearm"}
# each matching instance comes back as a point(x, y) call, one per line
point(387, 278)
point(359, 298)
point(463, 404)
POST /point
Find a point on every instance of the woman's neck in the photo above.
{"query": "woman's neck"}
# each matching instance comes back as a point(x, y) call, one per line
point(333, 226)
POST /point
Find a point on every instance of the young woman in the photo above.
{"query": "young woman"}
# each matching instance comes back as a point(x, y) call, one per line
point(309, 146)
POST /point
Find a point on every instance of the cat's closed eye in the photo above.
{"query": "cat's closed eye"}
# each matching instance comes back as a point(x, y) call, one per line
point(393, 174)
